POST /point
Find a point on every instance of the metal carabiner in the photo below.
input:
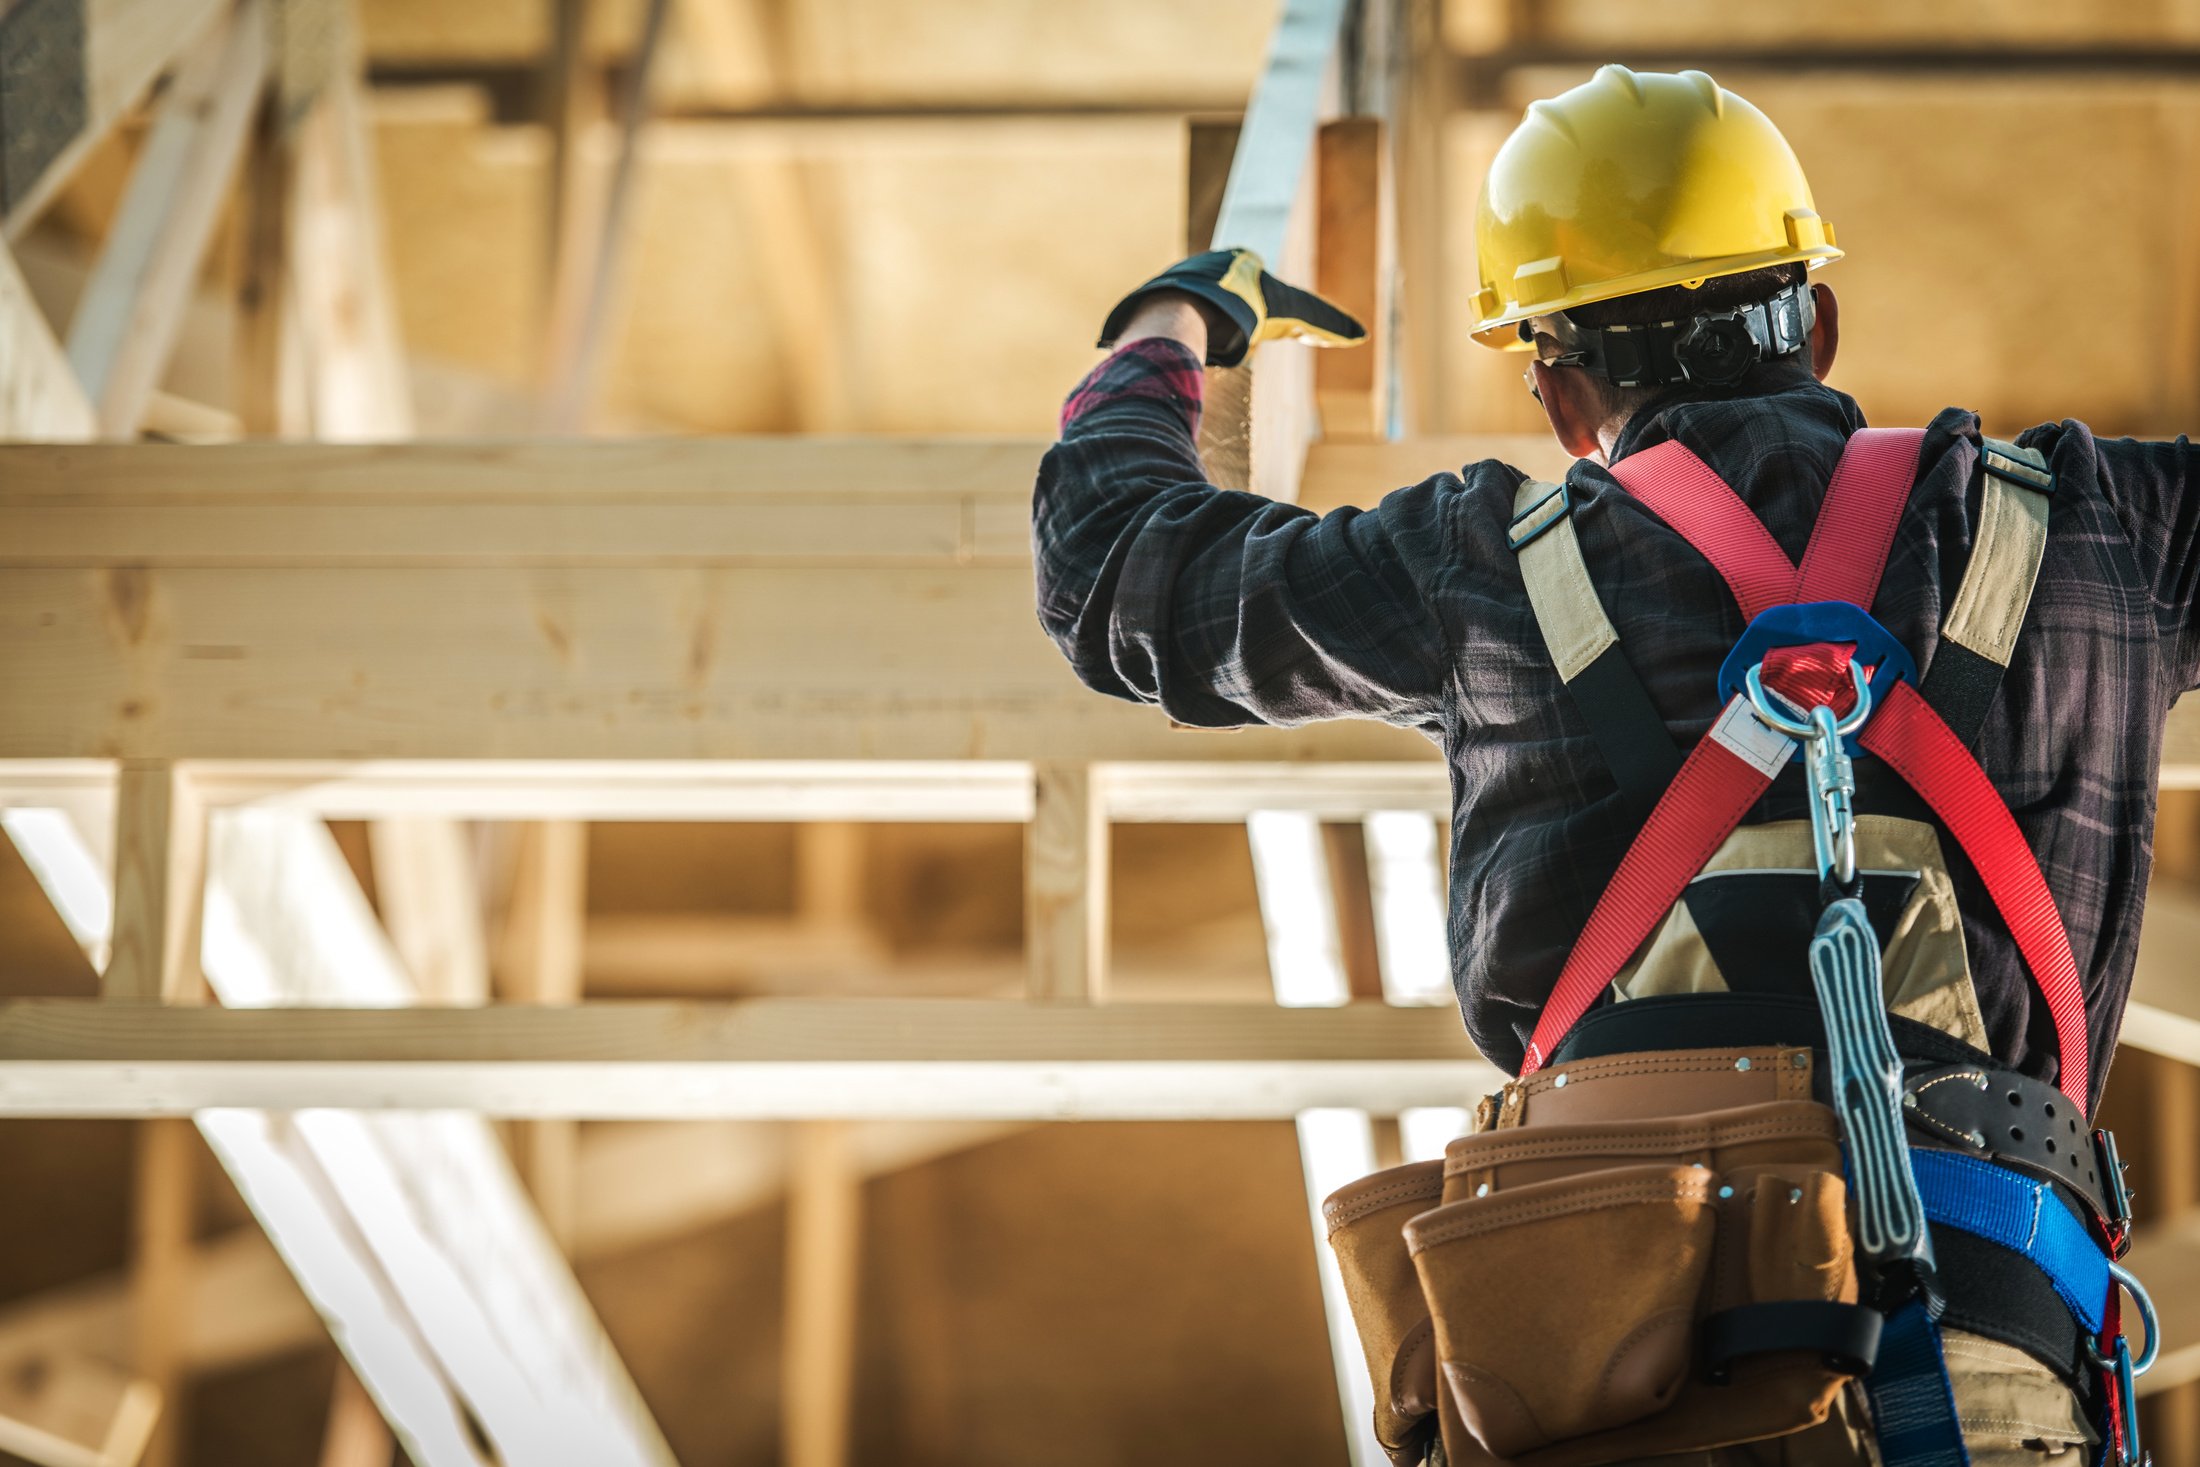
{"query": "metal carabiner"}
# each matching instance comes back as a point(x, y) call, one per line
point(1826, 764)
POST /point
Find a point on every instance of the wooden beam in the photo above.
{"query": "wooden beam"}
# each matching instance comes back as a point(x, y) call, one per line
point(756, 1058)
point(430, 899)
point(1260, 415)
point(162, 1218)
point(159, 881)
point(545, 938)
point(290, 1192)
point(127, 44)
point(1066, 884)
point(943, 791)
point(430, 1196)
point(641, 1185)
point(126, 324)
point(1355, 257)
point(824, 1256)
point(354, 359)
point(1279, 128)
point(586, 283)
point(267, 371)
point(40, 399)
point(409, 1233)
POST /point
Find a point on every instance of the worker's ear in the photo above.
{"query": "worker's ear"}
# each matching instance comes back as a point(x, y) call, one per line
point(1825, 332)
point(1573, 405)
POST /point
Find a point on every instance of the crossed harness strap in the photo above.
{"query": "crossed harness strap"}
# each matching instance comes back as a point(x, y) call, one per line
point(1731, 768)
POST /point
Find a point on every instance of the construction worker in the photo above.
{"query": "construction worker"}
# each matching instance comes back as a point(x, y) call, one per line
point(1803, 787)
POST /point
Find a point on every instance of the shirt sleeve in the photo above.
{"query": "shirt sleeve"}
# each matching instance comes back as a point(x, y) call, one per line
point(2151, 488)
point(1223, 608)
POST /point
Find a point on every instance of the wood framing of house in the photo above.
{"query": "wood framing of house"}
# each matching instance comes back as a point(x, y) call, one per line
point(211, 650)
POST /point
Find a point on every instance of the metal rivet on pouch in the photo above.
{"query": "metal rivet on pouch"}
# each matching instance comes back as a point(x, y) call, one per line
point(1742, 1063)
point(1983, 1082)
point(1798, 1060)
point(1795, 1194)
point(1909, 1102)
point(1483, 1190)
point(1978, 1139)
point(1726, 1191)
point(1559, 1083)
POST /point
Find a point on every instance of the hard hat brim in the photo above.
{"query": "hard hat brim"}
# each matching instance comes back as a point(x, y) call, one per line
point(1500, 331)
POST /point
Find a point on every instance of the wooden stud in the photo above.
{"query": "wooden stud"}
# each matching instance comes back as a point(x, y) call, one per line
point(430, 899)
point(159, 883)
point(355, 362)
point(126, 324)
point(40, 397)
point(1066, 884)
point(546, 936)
point(1345, 844)
point(1356, 261)
point(824, 1251)
point(580, 315)
point(161, 1221)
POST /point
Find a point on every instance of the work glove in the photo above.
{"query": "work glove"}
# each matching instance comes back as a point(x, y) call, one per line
point(1254, 307)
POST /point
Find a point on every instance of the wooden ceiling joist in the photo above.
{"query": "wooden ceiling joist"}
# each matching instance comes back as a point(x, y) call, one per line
point(756, 1059)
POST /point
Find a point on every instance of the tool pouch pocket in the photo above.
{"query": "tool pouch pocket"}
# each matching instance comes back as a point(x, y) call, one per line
point(1565, 1308)
point(1366, 1223)
point(1571, 1272)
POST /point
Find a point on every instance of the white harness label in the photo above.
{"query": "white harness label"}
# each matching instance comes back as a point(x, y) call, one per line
point(1748, 739)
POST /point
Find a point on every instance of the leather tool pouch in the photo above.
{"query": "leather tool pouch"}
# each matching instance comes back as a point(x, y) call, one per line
point(1366, 1223)
point(1569, 1271)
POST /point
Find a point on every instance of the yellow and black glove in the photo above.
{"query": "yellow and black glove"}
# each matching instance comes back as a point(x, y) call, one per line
point(1253, 305)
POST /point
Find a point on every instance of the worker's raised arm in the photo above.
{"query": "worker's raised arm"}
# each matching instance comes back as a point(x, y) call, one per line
point(2153, 489)
point(1222, 607)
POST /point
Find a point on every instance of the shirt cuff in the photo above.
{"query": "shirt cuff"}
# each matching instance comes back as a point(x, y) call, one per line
point(1156, 368)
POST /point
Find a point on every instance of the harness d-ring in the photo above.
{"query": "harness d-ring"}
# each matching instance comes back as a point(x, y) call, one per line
point(2129, 1283)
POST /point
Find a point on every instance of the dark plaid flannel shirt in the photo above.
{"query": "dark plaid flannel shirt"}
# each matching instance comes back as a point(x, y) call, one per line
point(1226, 608)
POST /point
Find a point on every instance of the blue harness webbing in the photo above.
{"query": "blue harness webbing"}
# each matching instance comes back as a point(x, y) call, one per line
point(1913, 1405)
point(2005, 1207)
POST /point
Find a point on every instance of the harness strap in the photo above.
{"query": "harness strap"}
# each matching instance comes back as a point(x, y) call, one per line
point(1913, 741)
point(1979, 632)
point(1848, 547)
point(1626, 725)
point(2023, 1216)
point(1734, 765)
point(1913, 1404)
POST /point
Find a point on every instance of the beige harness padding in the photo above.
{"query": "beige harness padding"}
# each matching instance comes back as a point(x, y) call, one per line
point(2005, 553)
point(1567, 611)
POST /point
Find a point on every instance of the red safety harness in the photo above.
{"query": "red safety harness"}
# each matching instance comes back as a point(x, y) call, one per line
point(1733, 766)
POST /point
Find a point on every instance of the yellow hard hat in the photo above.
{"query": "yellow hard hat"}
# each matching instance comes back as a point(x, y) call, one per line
point(1630, 182)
